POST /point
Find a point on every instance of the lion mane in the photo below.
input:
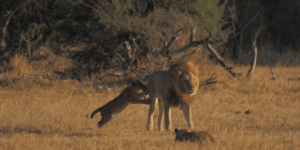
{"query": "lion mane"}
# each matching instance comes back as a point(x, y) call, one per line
point(176, 94)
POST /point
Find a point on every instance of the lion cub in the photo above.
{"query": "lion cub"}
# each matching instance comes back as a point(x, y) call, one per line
point(128, 96)
point(200, 136)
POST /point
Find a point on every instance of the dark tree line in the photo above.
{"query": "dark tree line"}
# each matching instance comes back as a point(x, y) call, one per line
point(99, 28)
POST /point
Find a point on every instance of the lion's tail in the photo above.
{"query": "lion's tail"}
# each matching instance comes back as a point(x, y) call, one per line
point(96, 111)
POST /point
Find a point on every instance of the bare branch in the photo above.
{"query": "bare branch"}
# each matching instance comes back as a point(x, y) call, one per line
point(133, 54)
point(188, 47)
point(250, 21)
point(28, 45)
point(117, 73)
point(193, 32)
point(192, 42)
point(134, 43)
point(128, 48)
point(211, 80)
point(241, 35)
point(22, 38)
point(233, 16)
point(139, 51)
point(206, 27)
point(4, 29)
point(273, 75)
point(132, 59)
point(254, 47)
point(222, 62)
point(121, 58)
point(174, 38)
point(256, 35)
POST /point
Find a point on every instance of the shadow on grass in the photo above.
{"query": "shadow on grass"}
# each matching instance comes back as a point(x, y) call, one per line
point(280, 128)
point(7, 130)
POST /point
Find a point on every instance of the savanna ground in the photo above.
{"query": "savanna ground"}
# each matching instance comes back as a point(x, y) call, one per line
point(43, 114)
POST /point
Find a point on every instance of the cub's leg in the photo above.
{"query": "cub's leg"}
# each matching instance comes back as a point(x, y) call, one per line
point(161, 115)
point(106, 117)
point(138, 101)
point(153, 102)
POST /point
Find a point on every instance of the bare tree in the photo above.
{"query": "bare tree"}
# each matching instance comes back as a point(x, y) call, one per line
point(164, 56)
point(238, 30)
point(4, 28)
point(254, 48)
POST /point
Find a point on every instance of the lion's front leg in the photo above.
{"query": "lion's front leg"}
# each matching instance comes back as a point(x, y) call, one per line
point(187, 112)
point(153, 102)
point(168, 123)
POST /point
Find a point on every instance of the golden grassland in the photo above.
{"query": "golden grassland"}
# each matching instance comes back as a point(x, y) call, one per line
point(52, 114)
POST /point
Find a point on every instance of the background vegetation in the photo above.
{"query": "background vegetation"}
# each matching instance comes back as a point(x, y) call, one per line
point(91, 32)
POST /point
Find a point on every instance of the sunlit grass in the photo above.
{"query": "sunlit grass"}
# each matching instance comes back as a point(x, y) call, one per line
point(43, 114)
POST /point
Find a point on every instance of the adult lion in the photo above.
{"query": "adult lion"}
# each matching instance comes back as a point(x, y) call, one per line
point(130, 95)
point(173, 88)
point(186, 135)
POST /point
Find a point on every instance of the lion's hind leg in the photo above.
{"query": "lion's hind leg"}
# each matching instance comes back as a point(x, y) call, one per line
point(153, 102)
point(161, 115)
point(106, 117)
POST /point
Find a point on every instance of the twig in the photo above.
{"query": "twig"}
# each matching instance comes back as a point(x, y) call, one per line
point(273, 75)
point(211, 80)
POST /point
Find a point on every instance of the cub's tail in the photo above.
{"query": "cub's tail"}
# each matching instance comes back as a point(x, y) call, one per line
point(96, 111)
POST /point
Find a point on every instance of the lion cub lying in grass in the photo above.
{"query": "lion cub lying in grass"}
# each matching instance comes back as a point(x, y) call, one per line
point(128, 96)
point(200, 136)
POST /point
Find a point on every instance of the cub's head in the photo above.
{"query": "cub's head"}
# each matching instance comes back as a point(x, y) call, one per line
point(186, 76)
point(180, 134)
point(137, 85)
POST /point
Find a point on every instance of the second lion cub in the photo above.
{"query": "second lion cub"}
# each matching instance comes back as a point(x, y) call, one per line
point(186, 135)
point(128, 96)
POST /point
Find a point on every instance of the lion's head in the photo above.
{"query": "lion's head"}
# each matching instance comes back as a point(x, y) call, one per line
point(184, 75)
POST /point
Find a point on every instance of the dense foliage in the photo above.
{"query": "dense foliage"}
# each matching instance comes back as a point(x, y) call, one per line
point(99, 27)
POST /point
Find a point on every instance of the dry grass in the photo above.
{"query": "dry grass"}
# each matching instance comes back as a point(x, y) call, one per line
point(52, 114)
